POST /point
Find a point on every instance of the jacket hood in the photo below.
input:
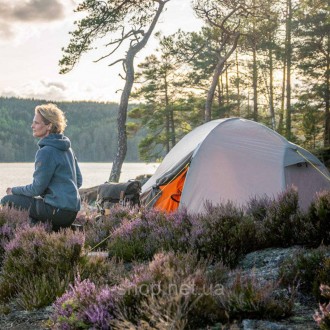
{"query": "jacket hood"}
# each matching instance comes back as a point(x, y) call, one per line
point(58, 141)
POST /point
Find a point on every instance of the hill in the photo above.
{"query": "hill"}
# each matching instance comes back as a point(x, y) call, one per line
point(92, 129)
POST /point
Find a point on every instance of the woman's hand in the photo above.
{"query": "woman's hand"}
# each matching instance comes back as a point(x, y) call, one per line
point(8, 191)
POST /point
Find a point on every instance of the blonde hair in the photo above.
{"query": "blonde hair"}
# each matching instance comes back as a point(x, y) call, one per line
point(51, 114)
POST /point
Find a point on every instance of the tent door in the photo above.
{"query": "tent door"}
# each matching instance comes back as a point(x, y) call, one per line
point(171, 193)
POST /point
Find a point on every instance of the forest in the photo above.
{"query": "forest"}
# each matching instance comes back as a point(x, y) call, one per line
point(268, 61)
point(91, 129)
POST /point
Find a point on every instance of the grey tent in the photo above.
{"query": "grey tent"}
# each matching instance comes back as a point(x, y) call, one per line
point(233, 159)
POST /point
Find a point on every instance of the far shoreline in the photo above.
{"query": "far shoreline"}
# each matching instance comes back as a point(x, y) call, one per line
point(94, 173)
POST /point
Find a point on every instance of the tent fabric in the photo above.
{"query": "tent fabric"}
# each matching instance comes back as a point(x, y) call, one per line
point(182, 150)
point(305, 178)
point(236, 159)
point(292, 157)
point(171, 193)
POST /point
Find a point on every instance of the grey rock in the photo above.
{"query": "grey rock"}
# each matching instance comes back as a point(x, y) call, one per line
point(265, 263)
point(265, 325)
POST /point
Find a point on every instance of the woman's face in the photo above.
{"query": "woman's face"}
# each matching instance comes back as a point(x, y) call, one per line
point(39, 128)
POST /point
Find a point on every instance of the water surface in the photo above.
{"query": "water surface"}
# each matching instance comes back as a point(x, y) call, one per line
point(17, 174)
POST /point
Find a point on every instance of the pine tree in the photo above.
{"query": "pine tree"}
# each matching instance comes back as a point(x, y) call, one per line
point(134, 22)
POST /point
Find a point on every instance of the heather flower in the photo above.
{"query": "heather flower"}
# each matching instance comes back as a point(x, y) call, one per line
point(132, 240)
point(257, 207)
point(140, 274)
point(322, 317)
point(10, 219)
point(150, 231)
point(84, 306)
point(26, 237)
point(13, 216)
point(98, 229)
point(129, 227)
point(176, 233)
point(6, 230)
point(45, 262)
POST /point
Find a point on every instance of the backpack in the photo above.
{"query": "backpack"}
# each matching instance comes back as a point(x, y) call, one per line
point(110, 194)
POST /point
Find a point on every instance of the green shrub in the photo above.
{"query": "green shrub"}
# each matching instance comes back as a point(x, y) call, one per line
point(182, 291)
point(41, 290)
point(171, 231)
point(284, 225)
point(224, 233)
point(249, 298)
point(132, 240)
point(38, 266)
point(102, 270)
point(323, 275)
point(172, 290)
point(306, 269)
point(319, 215)
point(257, 207)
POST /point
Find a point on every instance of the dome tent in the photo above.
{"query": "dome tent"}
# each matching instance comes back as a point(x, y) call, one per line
point(232, 159)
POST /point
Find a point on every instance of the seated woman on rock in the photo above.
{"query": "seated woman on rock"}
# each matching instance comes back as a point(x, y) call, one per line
point(53, 195)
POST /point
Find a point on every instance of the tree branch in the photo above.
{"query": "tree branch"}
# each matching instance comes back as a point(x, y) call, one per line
point(117, 61)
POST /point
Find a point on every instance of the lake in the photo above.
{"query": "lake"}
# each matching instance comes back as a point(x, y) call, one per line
point(17, 174)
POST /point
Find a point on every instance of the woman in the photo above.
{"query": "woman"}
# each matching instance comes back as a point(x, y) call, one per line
point(53, 195)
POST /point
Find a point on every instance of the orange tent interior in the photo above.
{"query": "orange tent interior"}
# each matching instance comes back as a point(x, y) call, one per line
point(171, 193)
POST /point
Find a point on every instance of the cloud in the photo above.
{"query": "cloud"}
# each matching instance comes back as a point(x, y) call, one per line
point(45, 90)
point(59, 91)
point(31, 11)
point(57, 85)
point(6, 31)
point(17, 13)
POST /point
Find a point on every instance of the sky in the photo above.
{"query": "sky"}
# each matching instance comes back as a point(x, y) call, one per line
point(32, 34)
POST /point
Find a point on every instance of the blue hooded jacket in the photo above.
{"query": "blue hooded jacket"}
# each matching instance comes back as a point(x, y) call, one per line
point(57, 176)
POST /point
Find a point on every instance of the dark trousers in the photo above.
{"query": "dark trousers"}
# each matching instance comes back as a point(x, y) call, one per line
point(39, 211)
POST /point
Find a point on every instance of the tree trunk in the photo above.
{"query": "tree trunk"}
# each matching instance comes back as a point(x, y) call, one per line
point(219, 94)
point(220, 97)
point(216, 74)
point(254, 70)
point(327, 100)
point(227, 86)
point(255, 84)
point(238, 86)
point(248, 105)
point(172, 127)
point(121, 119)
point(271, 87)
point(280, 128)
point(210, 94)
point(288, 70)
point(167, 116)
point(123, 105)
